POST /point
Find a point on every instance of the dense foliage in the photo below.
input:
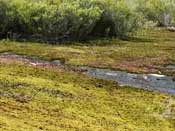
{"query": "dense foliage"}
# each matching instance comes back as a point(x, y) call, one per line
point(58, 20)
point(71, 19)
point(160, 11)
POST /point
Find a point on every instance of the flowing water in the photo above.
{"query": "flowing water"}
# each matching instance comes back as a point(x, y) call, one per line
point(161, 83)
point(170, 67)
point(157, 82)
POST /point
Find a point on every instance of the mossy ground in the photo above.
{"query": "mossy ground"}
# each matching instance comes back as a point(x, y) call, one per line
point(148, 52)
point(53, 99)
point(38, 98)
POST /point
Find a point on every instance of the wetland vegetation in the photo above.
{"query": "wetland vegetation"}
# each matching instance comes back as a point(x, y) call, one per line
point(38, 93)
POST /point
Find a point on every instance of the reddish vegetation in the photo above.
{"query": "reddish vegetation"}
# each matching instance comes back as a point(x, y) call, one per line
point(11, 57)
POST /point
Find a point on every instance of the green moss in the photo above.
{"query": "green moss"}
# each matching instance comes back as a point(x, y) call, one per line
point(146, 52)
point(33, 98)
point(38, 98)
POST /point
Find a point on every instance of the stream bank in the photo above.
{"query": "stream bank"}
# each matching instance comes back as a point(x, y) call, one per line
point(155, 82)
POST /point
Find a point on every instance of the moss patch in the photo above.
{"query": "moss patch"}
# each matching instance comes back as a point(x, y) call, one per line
point(33, 98)
point(146, 52)
point(38, 98)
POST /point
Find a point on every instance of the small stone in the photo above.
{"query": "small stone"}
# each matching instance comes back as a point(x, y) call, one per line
point(56, 62)
point(171, 29)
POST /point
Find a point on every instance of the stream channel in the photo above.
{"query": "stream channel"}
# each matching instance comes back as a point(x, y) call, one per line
point(155, 82)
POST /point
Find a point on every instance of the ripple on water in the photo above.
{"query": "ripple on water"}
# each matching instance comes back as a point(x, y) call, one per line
point(158, 82)
point(170, 67)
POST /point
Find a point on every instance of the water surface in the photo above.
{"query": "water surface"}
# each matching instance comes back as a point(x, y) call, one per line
point(157, 82)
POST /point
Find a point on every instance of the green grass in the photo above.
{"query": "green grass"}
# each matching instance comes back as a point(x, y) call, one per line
point(148, 52)
point(35, 98)
point(54, 99)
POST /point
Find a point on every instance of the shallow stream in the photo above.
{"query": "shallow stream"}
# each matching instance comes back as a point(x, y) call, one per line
point(157, 82)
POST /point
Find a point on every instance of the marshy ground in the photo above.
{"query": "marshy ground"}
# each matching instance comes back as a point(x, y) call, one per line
point(51, 98)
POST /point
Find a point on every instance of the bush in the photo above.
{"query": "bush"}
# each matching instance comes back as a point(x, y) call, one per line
point(58, 20)
point(160, 11)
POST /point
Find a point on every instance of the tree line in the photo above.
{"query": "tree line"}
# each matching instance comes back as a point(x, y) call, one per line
point(62, 20)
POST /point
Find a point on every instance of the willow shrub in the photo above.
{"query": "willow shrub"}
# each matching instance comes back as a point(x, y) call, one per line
point(57, 20)
point(160, 11)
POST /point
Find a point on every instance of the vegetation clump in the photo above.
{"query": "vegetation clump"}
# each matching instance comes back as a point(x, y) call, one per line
point(35, 98)
point(160, 11)
point(59, 20)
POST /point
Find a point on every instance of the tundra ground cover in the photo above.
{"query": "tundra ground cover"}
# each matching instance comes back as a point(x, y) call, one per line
point(147, 52)
point(35, 97)
point(42, 98)
point(39, 98)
